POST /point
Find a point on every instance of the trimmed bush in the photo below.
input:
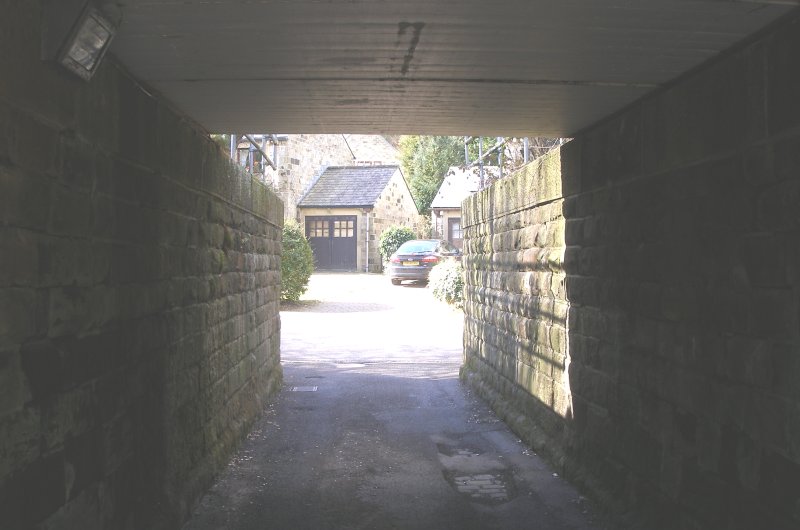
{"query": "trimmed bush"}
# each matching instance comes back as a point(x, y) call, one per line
point(446, 282)
point(392, 238)
point(297, 262)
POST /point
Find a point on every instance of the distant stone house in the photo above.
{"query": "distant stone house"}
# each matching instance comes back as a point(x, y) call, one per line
point(348, 208)
point(458, 184)
point(300, 158)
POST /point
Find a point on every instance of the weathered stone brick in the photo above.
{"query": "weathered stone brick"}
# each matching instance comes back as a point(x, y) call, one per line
point(779, 483)
point(70, 310)
point(17, 315)
point(783, 81)
point(5, 133)
point(64, 261)
point(787, 158)
point(89, 510)
point(649, 299)
point(571, 157)
point(35, 145)
point(766, 261)
point(42, 364)
point(680, 296)
point(77, 164)
point(118, 175)
point(34, 492)
point(710, 510)
point(612, 150)
point(72, 414)
point(19, 263)
point(777, 207)
point(130, 224)
point(149, 190)
point(758, 165)
point(20, 437)
point(724, 309)
point(137, 115)
point(716, 107)
point(15, 392)
point(82, 465)
point(774, 314)
point(679, 303)
point(25, 201)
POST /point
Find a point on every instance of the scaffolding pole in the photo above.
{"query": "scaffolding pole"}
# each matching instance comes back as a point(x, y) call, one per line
point(263, 153)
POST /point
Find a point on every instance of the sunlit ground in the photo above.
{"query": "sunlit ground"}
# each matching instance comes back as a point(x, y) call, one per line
point(356, 319)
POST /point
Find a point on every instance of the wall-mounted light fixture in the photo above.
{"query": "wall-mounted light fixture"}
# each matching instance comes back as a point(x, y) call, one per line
point(88, 42)
point(77, 35)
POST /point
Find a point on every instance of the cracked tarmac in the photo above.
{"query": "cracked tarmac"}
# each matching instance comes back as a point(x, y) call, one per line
point(379, 433)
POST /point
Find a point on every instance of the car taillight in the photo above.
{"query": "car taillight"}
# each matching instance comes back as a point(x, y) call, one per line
point(430, 259)
point(394, 259)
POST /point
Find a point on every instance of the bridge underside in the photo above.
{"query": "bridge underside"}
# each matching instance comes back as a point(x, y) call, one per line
point(511, 68)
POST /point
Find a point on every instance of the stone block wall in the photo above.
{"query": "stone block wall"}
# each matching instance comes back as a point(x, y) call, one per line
point(139, 280)
point(394, 207)
point(633, 300)
point(302, 158)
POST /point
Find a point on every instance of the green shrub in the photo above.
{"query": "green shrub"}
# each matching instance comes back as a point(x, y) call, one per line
point(392, 238)
point(447, 282)
point(297, 262)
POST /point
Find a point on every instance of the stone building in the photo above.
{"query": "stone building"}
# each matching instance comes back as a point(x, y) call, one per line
point(301, 158)
point(348, 208)
point(458, 184)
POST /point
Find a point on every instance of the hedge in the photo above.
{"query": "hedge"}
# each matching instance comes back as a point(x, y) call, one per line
point(297, 262)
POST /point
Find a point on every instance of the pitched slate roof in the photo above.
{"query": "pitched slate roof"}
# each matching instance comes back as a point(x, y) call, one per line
point(350, 186)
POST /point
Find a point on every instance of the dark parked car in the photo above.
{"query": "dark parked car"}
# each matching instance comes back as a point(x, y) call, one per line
point(415, 259)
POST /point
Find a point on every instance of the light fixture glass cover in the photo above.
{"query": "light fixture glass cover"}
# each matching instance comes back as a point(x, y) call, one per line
point(87, 43)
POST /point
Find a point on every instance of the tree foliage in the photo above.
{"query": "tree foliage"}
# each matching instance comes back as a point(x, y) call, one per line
point(392, 238)
point(297, 262)
point(425, 160)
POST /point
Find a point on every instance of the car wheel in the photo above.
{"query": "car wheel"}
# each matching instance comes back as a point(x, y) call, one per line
point(395, 281)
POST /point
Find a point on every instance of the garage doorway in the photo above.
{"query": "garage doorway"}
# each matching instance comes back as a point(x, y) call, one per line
point(333, 239)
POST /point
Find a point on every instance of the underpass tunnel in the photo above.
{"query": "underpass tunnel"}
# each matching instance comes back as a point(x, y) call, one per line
point(632, 299)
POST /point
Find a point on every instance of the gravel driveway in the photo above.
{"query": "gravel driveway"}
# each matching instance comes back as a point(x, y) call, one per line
point(360, 318)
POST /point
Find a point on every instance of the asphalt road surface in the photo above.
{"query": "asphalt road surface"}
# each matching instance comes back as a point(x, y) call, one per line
point(373, 430)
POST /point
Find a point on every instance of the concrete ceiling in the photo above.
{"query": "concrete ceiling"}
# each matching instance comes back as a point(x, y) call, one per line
point(502, 67)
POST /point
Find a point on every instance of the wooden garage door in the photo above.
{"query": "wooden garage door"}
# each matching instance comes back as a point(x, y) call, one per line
point(333, 240)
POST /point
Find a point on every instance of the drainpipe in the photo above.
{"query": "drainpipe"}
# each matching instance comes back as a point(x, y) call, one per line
point(500, 155)
point(526, 148)
point(480, 159)
point(366, 240)
point(264, 148)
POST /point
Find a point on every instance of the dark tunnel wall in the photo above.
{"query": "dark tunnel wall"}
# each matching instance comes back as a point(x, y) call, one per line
point(139, 283)
point(632, 301)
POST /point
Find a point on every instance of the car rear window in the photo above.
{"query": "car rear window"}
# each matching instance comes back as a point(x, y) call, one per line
point(416, 246)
